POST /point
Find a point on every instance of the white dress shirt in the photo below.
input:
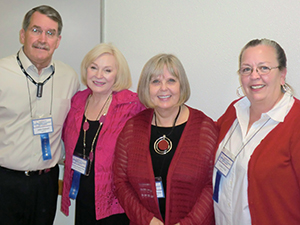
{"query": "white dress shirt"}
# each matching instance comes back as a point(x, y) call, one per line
point(232, 207)
point(19, 148)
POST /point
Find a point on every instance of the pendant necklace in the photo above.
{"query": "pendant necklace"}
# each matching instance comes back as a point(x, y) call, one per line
point(86, 126)
point(163, 144)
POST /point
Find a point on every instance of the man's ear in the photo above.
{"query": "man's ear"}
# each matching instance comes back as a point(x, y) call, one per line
point(22, 36)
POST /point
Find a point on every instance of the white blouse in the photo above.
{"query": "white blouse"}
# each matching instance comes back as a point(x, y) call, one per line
point(232, 207)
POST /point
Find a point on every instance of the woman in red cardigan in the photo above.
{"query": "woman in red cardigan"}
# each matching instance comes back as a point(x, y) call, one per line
point(257, 165)
point(164, 155)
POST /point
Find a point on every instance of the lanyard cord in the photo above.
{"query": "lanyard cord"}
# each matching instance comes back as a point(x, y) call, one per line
point(218, 174)
point(86, 124)
point(30, 106)
point(39, 85)
point(231, 134)
point(243, 146)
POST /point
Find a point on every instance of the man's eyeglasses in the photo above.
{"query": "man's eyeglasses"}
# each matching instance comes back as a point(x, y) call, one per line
point(38, 31)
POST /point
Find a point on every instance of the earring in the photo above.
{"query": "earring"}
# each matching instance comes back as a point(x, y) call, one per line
point(285, 87)
point(238, 91)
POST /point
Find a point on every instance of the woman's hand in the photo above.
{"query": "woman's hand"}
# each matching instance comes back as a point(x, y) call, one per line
point(156, 221)
point(177, 224)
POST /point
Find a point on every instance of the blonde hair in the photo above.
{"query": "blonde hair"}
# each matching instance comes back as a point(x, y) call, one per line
point(155, 67)
point(123, 77)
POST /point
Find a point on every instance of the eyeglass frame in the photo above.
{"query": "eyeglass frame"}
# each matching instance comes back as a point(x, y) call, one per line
point(36, 31)
point(257, 70)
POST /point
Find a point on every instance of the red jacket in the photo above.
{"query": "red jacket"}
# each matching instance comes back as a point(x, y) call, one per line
point(189, 188)
point(273, 170)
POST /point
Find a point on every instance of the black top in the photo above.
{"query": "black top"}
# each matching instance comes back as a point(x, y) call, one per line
point(161, 163)
point(86, 193)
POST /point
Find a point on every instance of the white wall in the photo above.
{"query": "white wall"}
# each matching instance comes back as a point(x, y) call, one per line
point(81, 32)
point(207, 37)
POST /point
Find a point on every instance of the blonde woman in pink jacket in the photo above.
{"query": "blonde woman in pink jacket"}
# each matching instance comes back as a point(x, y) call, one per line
point(96, 118)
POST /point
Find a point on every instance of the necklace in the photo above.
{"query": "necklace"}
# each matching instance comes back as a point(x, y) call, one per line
point(163, 144)
point(86, 126)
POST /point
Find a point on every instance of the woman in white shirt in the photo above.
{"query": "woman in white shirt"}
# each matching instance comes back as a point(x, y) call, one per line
point(257, 164)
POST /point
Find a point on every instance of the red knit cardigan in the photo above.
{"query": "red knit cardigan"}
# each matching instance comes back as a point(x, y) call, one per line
point(273, 170)
point(189, 188)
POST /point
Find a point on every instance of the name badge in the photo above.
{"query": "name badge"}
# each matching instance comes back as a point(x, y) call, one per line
point(42, 126)
point(159, 187)
point(225, 162)
point(79, 164)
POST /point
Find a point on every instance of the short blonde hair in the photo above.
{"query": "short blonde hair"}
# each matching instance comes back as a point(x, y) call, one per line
point(155, 67)
point(123, 77)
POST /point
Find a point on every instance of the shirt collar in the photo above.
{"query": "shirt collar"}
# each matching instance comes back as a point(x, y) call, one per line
point(277, 113)
point(281, 109)
point(29, 67)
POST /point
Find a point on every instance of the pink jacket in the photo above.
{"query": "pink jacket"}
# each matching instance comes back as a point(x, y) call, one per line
point(124, 105)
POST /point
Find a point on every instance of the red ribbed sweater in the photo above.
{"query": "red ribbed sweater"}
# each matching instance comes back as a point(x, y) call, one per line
point(189, 188)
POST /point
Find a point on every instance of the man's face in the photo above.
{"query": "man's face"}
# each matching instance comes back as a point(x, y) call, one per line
point(40, 39)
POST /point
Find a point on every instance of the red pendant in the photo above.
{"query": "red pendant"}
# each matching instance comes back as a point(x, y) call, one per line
point(91, 156)
point(163, 145)
point(86, 125)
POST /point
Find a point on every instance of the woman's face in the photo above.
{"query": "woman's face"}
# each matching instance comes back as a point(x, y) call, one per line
point(101, 74)
point(164, 91)
point(258, 88)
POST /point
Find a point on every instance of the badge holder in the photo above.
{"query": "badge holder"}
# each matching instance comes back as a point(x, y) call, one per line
point(159, 187)
point(223, 165)
point(43, 127)
point(81, 164)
